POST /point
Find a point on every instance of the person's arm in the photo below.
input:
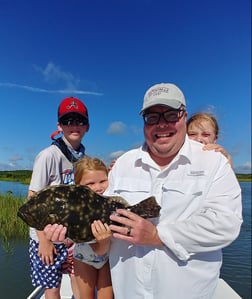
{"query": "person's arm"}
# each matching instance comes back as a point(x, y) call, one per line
point(46, 249)
point(214, 215)
point(102, 233)
point(216, 222)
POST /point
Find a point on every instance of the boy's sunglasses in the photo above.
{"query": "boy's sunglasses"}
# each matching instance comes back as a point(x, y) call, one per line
point(74, 122)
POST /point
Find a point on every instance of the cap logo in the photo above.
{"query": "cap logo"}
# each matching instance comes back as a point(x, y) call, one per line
point(157, 91)
point(73, 104)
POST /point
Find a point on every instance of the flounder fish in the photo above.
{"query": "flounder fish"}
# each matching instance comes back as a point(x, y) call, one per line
point(76, 207)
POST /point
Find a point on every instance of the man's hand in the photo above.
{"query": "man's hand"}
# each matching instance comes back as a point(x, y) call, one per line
point(134, 229)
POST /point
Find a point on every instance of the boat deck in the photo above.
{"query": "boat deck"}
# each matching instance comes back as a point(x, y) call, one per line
point(223, 291)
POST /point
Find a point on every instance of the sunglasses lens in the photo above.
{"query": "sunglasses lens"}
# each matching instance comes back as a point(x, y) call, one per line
point(171, 116)
point(74, 121)
point(153, 118)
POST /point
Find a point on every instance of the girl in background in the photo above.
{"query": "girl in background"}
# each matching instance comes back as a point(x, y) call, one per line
point(204, 128)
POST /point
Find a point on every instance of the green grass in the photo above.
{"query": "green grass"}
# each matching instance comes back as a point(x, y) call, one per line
point(11, 226)
point(244, 177)
point(22, 176)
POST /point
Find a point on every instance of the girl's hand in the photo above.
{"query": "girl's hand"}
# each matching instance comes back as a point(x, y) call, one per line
point(102, 234)
point(100, 231)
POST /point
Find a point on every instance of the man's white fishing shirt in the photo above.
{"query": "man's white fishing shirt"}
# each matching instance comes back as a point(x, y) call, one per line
point(201, 213)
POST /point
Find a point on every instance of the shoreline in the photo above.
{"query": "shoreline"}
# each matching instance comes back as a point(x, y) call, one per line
point(24, 176)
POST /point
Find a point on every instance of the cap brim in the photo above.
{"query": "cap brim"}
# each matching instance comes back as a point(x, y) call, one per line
point(174, 104)
point(72, 112)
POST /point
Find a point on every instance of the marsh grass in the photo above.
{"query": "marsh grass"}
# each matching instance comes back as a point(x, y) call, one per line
point(22, 176)
point(11, 226)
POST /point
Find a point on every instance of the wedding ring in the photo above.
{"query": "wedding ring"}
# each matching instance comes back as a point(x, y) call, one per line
point(129, 231)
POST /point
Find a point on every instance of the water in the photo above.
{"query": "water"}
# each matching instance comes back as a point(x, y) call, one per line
point(15, 282)
point(17, 189)
point(236, 269)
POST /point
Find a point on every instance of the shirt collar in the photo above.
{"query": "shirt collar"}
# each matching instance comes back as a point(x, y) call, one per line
point(184, 155)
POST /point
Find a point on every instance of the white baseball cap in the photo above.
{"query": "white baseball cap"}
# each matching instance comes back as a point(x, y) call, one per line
point(167, 94)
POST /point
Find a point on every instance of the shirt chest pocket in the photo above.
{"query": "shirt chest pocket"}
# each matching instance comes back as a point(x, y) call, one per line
point(132, 190)
point(181, 199)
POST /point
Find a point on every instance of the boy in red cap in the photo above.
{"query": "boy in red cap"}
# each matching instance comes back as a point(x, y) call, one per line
point(54, 166)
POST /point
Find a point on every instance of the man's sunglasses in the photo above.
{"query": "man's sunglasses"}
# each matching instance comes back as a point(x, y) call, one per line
point(153, 118)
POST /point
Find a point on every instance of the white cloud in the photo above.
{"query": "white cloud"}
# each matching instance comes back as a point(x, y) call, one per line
point(116, 154)
point(61, 91)
point(245, 168)
point(53, 74)
point(116, 127)
point(15, 158)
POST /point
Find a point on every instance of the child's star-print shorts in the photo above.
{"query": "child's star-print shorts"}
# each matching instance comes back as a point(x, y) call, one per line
point(43, 275)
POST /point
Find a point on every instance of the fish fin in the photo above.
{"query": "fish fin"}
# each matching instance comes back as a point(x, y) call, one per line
point(117, 199)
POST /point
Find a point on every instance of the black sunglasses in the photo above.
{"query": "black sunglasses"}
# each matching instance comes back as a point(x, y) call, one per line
point(74, 122)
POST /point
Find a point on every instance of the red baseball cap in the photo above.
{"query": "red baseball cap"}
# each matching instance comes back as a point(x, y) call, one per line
point(72, 105)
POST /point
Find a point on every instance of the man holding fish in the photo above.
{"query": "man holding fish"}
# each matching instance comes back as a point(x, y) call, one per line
point(178, 254)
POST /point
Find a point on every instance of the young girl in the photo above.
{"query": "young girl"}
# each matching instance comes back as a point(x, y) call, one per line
point(204, 128)
point(91, 266)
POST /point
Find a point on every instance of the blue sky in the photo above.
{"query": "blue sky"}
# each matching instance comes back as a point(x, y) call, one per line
point(108, 53)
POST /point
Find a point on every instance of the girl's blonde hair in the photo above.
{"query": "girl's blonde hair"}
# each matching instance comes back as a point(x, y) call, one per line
point(86, 164)
point(198, 117)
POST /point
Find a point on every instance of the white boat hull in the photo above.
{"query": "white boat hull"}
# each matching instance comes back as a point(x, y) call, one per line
point(223, 291)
